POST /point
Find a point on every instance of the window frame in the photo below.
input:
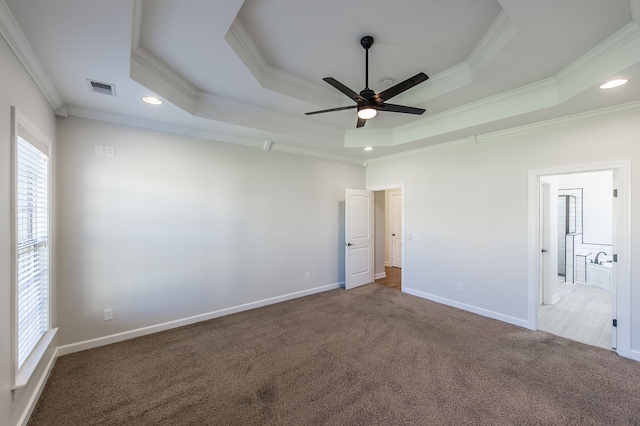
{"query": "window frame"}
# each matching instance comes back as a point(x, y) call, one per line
point(30, 133)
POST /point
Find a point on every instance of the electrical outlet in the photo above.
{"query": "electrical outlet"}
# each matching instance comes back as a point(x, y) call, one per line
point(459, 286)
point(108, 314)
point(308, 275)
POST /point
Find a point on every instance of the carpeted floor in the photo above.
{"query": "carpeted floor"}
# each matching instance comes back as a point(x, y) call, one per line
point(368, 356)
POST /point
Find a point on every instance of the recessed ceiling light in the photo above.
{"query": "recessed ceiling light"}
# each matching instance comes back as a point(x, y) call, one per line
point(152, 100)
point(368, 148)
point(614, 83)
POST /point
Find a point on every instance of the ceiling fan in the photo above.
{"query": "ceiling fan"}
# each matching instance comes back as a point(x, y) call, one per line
point(367, 101)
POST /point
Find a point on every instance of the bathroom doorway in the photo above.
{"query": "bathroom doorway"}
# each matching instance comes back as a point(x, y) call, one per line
point(579, 209)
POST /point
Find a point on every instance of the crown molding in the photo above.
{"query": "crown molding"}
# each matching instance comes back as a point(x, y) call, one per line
point(616, 53)
point(459, 143)
point(628, 34)
point(197, 133)
point(501, 31)
point(273, 78)
point(584, 117)
point(163, 71)
point(604, 113)
point(21, 47)
point(310, 153)
point(161, 127)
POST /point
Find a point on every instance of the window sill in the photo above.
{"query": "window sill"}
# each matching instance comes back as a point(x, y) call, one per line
point(24, 374)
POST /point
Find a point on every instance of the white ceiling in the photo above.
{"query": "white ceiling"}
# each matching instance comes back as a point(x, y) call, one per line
point(246, 71)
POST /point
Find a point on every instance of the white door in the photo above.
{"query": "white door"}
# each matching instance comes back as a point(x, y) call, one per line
point(545, 244)
point(359, 237)
point(396, 230)
point(614, 265)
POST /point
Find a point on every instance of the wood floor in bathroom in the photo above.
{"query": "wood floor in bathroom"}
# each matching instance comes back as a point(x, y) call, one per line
point(582, 314)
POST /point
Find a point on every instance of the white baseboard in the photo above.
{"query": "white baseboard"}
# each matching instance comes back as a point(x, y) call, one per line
point(470, 308)
point(380, 275)
point(634, 355)
point(126, 335)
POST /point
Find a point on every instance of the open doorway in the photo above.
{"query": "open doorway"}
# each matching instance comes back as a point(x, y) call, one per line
point(578, 225)
point(388, 206)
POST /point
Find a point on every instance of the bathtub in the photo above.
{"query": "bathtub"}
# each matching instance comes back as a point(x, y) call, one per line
point(599, 275)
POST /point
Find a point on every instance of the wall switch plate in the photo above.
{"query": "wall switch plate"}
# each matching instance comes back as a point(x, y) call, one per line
point(108, 314)
point(109, 151)
point(98, 149)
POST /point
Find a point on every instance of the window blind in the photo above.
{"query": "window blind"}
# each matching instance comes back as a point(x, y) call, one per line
point(32, 237)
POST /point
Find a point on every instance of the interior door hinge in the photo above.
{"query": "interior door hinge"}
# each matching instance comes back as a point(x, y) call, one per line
point(615, 193)
point(615, 322)
point(615, 257)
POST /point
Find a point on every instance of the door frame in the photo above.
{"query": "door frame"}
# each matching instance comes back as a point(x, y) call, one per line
point(393, 252)
point(622, 292)
point(401, 187)
point(548, 260)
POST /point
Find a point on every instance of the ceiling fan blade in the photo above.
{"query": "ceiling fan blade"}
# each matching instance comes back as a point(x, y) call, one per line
point(331, 110)
point(344, 89)
point(361, 122)
point(401, 108)
point(401, 87)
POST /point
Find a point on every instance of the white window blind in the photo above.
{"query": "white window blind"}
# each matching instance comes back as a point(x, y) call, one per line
point(32, 238)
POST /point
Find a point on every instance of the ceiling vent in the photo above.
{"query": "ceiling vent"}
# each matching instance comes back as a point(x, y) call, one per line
point(100, 87)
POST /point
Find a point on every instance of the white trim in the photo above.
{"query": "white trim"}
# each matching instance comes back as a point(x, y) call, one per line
point(197, 133)
point(274, 78)
point(380, 275)
point(469, 308)
point(20, 46)
point(31, 363)
point(623, 285)
point(401, 187)
point(628, 108)
point(21, 376)
point(35, 395)
point(126, 335)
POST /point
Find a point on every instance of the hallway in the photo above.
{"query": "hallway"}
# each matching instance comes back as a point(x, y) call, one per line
point(393, 278)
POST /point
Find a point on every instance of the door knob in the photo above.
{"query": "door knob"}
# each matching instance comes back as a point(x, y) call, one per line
point(544, 251)
point(393, 235)
point(349, 244)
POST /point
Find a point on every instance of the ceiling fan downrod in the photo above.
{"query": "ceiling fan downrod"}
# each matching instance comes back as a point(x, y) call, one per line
point(366, 42)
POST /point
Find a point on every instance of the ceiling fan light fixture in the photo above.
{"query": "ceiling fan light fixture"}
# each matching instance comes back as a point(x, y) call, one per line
point(367, 112)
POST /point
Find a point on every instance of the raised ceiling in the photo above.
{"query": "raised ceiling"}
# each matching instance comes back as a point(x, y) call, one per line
point(246, 71)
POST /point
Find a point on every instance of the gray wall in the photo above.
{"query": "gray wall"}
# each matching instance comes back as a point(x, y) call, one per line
point(16, 89)
point(470, 203)
point(174, 227)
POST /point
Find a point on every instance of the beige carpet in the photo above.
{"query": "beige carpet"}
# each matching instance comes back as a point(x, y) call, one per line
point(369, 356)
